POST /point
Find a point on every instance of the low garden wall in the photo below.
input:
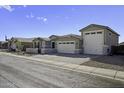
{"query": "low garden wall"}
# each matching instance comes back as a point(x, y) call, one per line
point(32, 50)
point(3, 50)
point(48, 50)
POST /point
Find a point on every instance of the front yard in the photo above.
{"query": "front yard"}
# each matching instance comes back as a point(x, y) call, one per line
point(115, 62)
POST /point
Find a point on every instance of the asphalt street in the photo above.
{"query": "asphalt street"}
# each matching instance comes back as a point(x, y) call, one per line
point(17, 72)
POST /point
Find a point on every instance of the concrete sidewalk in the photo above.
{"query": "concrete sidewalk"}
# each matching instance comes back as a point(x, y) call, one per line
point(108, 73)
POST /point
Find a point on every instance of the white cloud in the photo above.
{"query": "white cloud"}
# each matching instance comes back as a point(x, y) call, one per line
point(27, 16)
point(30, 16)
point(7, 7)
point(39, 18)
point(43, 19)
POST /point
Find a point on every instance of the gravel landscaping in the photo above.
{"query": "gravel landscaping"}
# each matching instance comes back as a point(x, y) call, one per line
point(115, 62)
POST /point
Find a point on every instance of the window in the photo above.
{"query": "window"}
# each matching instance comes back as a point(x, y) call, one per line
point(72, 42)
point(93, 33)
point(99, 32)
point(110, 34)
point(87, 33)
point(60, 43)
point(53, 44)
point(68, 42)
point(63, 42)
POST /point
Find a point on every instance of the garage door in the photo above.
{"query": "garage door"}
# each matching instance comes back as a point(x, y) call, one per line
point(66, 47)
point(93, 43)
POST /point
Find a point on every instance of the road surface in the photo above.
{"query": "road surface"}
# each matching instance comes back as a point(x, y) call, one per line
point(16, 72)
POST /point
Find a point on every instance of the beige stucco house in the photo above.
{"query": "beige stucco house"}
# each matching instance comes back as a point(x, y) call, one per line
point(41, 45)
point(70, 43)
point(98, 39)
point(20, 44)
point(57, 44)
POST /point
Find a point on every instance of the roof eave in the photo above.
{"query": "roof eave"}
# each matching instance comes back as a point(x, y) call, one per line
point(81, 30)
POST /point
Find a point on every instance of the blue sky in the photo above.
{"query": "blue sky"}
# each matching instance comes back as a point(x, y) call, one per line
point(43, 21)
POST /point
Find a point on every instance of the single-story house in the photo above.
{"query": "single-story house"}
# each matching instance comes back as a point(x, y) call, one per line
point(98, 39)
point(41, 45)
point(16, 43)
point(70, 43)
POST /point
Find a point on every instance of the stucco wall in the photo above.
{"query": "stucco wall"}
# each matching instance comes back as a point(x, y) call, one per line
point(48, 50)
point(78, 42)
point(42, 44)
point(36, 42)
point(92, 28)
point(111, 40)
point(32, 50)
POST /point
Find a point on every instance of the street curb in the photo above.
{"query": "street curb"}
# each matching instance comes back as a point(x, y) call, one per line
point(108, 73)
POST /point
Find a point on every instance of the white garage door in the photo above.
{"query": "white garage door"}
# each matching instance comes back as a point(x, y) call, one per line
point(93, 43)
point(66, 47)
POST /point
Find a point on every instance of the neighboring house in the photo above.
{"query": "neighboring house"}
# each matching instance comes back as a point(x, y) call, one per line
point(40, 45)
point(122, 43)
point(41, 42)
point(3, 45)
point(16, 43)
point(67, 43)
point(98, 39)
